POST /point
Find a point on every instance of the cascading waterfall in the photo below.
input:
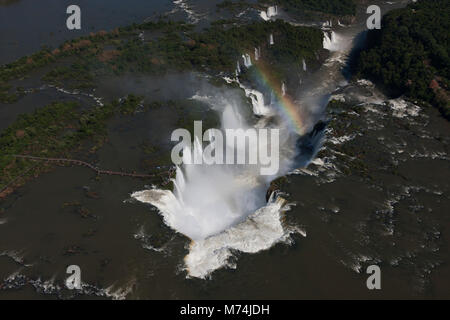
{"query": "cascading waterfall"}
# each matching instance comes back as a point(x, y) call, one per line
point(257, 98)
point(233, 214)
point(283, 89)
point(222, 208)
point(327, 24)
point(272, 11)
point(269, 13)
point(271, 42)
point(327, 43)
point(304, 65)
point(247, 60)
point(331, 41)
point(257, 53)
point(259, 107)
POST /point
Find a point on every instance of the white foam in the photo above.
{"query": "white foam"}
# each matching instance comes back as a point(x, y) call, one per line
point(259, 232)
point(401, 108)
point(341, 139)
point(181, 5)
point(365, 82)
point(332, 41)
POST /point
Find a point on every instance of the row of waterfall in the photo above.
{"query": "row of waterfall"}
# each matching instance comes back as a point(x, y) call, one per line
point(247, 60)
point(329, 24)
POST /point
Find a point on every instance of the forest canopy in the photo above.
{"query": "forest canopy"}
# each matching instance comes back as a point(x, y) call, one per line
point(336, 7)
point(410, 54)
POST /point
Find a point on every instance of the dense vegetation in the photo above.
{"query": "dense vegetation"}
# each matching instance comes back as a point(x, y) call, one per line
point(233, 5)
point(410, 54)
point(53, 131)
point(217, 48)
point(155, 47)
point(335, 7)
point(75, 76)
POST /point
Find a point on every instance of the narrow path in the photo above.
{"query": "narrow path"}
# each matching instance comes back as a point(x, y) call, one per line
point(169, 172)
point(94, 168)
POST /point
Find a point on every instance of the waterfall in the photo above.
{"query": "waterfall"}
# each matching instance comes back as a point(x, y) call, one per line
point(332, 41)
point(327, 24)
point(271, 40)
point(304, 65)
point(257, 53)
point(238, 68)
point(247, 60)
point(269, 13)
point(264, 16)
point(272, 11)
point(257, 98)
point(283, 89)
point(199, 206)
point(223, 208)
point(326, 41)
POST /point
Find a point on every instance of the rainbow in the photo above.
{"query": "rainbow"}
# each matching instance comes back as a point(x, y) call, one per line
point(288, 107)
